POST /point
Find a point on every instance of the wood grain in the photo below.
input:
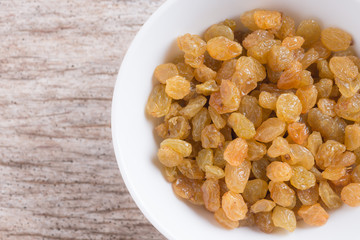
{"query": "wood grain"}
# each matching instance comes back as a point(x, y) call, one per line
point(58, 65)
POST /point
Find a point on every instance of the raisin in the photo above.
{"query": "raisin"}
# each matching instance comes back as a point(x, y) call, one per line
point(192, 44)
point(263, 205)
point(221, 48)
point(349, 108)
point(291, 77)
point(302, 179)
point(298, 132)
point(284, 218)
point(226, 70)
point(250, 108)
point(236, 152)
point(189, 189)
point(247, 19)
point(299, 155)
point(260, 51)
point(259, 169)
point(335, 39)
point(250, 69)
point(287, 28)
point(282, 194)
point(165, 71)
point(185, 71)
point(237, 177)
point(255, 190)
point(323, 52)
point(309, 196)
point(211, 137)
point(224, 221)
point(218, 30)
point(330, 128)
point(170, 174)
point(199, 122)
point(178, 127)
point(310, 30)
point(234, 206)
point(214, 172)
point(279, 58)
point(279, 146)
point(324, 87)
point(288, 107)
point(190, 169)
point(350, 194)
point(270, 129)
point(264, 222)
point(256, 37)
point(268, 100)
point(352, 139)
point(211, 195)
point(313, 215)
point(324, 69)
point(159, 102)
point(177, 87)
point(205, 157)
point(293, 42)
point(207, 88)
point(194, 61)
point(256, 150)
point(265, 19)
point(327, 153)
point(328, 196)
point(242, 126)
point(333, 173)
point(193, 107)
point(314, 142)
point(343, 68)
point(309, 58)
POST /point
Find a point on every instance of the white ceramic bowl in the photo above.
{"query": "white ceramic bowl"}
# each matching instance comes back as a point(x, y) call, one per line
point(133, 135)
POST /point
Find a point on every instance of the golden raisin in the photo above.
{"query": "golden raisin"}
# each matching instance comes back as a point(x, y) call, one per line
point(221, 48)
point(335, 39)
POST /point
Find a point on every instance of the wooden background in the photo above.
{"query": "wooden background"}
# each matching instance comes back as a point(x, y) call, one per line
point(58, 66)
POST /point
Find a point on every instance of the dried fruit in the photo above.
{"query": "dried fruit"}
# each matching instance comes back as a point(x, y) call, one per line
point(279, 171)
point(282, 194)
point(279, 58)
point(350, 194)
point(299, 155)
point(326, 106)
point(159, 102)
point(211, 195)
point(309, 196)
point(324, 87)
point(207, 88)
point(236, 152)
point(165, 71)
point(335, 39)
point(256, 37)
point(177, 87)
point(309, 58)
point(328, 196)
point(265, 19)
point(259, 169)
point(269, 130)
point(214, 172)
point(260, 52)
point(169, 157)
point(256, 150)
point(267, 100)
point(185, 70)
point(234, 206)
point(293, 42)
point(287, 28)
point(221, 48)
point(349, 108)
point(237, 177)
point(324, 69)
point(314, 142)
point(193, 107)
point(284, 218)
point(327, 153)
point(313, 215)
point(192, 44)
point(242, 126)
point(180, 146)
point(247, 19)
point(250, 108)
point(298, 132)
point(352, 139)
point(302, 179)
point(264, 222)
point(190, 169)
point(189, 189)
point(199, 122)
point(263, 205)
point(178, 127)
point(226, 70)
point(280, 146)
point(218, 30)
point(291, 77)
point(205, 157)
point(224, 221)
point(250, 69)
point(310, 31)
point(255, 190)
point(334, 173)
point(211, 137)
point(288, 107)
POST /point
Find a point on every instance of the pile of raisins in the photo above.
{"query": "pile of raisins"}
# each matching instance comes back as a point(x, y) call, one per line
point(262, 127)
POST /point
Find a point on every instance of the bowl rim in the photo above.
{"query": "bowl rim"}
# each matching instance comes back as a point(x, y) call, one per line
point(117, 150)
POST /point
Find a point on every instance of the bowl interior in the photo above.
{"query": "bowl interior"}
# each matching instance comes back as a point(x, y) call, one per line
point(132, 130)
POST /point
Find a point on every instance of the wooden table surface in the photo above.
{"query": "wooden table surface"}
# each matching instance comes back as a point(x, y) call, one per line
point(58, 65)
